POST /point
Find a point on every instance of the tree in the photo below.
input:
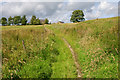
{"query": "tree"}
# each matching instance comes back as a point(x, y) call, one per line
point(10, 20)
point(3, 21)
point(17, 20)
point(46, 21)
point(77, 16)
point(24, 20)
point(37, 21)
point(33, 19)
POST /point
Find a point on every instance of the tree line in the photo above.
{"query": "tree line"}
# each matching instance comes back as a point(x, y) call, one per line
point(77, 16)
point(18, 20)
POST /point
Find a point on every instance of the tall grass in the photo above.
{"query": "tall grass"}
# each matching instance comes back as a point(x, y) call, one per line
point(37, 52)
point(34, 53)
point(96, 45)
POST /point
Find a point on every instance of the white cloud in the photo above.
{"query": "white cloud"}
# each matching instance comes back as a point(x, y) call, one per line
point(103, 9)
point(59, 0)
point(103, 5)
point(32, 8)
point(79, 5)
point(32, 0)
point(56, 11)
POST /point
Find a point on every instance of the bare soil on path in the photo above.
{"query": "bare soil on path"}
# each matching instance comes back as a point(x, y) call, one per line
point(75, 58)
point(78, 69)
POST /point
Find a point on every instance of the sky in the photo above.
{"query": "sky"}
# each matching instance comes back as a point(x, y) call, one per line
point(59, 10)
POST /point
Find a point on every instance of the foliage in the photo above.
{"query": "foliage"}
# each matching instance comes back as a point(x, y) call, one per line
point(77, 16)
point(46, 21)
point(36, 22)
point(10, 21)
point(24, 20)
point(17, 20)
point(3, 21)
point(33, 19)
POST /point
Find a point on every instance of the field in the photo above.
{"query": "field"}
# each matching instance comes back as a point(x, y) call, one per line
point(41, 51)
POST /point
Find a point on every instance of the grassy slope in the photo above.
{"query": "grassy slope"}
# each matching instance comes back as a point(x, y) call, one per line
point(46, 55)
point(94, 41)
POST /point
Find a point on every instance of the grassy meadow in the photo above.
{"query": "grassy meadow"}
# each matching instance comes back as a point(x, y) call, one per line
point(39, 51)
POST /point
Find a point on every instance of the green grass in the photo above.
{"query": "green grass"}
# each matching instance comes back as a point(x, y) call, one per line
point(96, 45)
point(41, 57)
point(47, 56)
point(64, 67)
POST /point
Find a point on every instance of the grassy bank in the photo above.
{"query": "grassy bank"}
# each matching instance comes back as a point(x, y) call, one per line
point(96, 44)
point(35, 53)
point(40, 52)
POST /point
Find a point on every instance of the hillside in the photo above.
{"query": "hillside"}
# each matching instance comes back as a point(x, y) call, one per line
point(46, 51)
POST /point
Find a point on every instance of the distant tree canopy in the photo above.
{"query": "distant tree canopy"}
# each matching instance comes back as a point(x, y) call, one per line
point(24, 20)
point(33, 20)
point(46, 21)
point(18, 20)
point(3, 21)
point(36, 22)
point(77, 16)
point(10, 20)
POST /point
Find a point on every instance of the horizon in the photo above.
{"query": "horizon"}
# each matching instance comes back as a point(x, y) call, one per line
point(59, 11)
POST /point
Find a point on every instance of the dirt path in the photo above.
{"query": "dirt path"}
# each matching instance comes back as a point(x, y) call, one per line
point(75, 58)
point(73, 54)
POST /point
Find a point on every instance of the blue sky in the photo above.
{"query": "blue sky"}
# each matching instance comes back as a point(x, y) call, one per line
point(60, 10)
